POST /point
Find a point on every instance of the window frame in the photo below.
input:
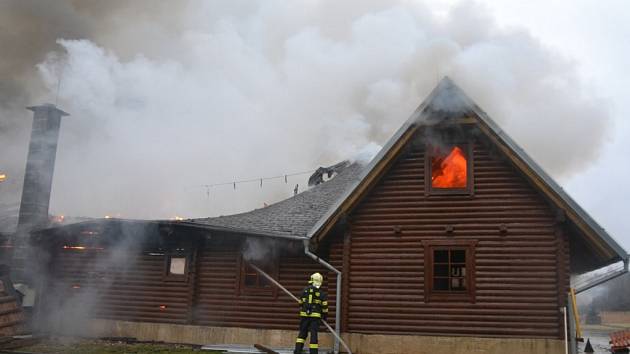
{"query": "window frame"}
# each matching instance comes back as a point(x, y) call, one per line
point(243, 289)
point(168, 276)
point(432, 295)
point(467, 148)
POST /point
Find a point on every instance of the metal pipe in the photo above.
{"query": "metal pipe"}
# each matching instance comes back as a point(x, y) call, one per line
point(596, 282)
point(566, 339)
point(272, 280)
point(572, 332)
point(308, 252)
point(276, 283)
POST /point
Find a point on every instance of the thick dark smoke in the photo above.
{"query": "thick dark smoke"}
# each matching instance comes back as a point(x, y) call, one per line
point(29, 30)
point(167, 96)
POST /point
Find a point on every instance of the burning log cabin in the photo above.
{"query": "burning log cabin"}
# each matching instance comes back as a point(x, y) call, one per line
point(450, 238)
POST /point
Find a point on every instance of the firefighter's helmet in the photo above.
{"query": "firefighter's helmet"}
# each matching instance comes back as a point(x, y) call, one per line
point(316, 279)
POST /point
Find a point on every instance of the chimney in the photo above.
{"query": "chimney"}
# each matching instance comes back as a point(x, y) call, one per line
point(40, 166)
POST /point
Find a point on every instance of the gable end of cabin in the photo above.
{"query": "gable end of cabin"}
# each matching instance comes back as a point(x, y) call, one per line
point(451, 240)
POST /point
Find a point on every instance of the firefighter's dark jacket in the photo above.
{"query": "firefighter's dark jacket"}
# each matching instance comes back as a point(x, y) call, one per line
point(313, 303)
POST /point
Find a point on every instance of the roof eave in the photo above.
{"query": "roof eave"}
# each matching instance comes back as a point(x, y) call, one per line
point(183, 223)
point(244, 232)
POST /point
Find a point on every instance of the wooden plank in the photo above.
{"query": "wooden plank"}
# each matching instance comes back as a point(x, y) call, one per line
point(265, 349)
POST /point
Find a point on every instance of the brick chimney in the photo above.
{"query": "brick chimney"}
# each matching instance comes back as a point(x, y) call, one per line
point(40, 166)
point(38, 176)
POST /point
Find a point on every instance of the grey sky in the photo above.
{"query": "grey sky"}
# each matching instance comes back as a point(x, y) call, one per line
point(596, 36)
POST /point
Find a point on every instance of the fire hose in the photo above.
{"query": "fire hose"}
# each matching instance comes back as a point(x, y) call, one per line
point(332, 331)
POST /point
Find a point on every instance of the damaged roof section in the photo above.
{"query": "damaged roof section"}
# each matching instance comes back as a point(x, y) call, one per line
point(294, 216)
point(326, 172)
point(289, 218)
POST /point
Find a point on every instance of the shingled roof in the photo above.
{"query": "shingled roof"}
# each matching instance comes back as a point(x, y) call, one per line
point(294, 216)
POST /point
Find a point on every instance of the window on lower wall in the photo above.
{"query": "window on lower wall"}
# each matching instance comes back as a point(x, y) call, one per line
point(252, 282)
point(176, 267)
point(449, 270)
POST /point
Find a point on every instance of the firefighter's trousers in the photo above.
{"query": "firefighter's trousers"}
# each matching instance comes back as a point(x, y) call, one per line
point(307, 324)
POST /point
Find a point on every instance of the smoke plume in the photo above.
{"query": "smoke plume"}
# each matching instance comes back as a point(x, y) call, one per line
point(261, 250)
point(74, 304)
point(166, 97)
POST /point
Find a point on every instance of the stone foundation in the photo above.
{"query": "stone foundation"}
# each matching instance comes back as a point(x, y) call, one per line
point(359, 343)
point(399, 344)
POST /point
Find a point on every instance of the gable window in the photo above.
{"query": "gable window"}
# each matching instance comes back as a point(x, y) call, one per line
point(449, 270)
point(449, 169)
point(255, 283)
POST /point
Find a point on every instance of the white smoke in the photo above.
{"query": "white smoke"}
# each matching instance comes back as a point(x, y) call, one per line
point(259, 89)
point(261, 250)
point(367, 153)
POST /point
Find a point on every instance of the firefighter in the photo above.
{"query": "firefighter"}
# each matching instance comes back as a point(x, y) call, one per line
point(313, 307)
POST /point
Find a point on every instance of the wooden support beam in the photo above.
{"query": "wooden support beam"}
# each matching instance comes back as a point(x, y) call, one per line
point(345, 281)
point(562, 275)
point(192, 278)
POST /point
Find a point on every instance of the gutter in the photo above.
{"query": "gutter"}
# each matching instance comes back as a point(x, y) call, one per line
point(242, 232)
point(337, 295)
point(606, 278)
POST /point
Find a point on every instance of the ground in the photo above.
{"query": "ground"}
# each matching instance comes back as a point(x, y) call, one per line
point(89, 346)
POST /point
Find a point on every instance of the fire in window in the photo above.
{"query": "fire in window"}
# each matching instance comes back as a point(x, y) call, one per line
point(449, 270)
point(449, 168)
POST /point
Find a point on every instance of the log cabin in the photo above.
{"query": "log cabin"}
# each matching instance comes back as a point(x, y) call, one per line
point(451, 239)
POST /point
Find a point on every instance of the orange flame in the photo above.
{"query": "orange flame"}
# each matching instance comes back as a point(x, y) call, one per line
point(162, 307)
point(73, 247)
point(76, 286)
point(58, 219)
point(81, 248)
point(449, 171)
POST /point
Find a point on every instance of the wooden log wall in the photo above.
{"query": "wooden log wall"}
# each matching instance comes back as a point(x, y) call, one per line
point(220, 303)
point(88, 280)
point(517, 279)
point(111, 289)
